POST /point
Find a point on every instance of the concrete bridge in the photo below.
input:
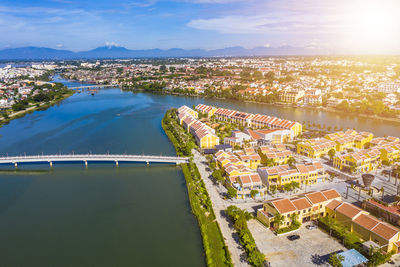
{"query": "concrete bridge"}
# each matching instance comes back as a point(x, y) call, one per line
point(85, 158)
point(97, 86)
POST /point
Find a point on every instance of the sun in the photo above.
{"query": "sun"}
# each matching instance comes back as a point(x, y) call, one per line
point(375, 21)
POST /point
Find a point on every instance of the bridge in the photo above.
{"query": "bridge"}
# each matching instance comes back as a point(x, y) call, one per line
point(85, 158)
point(98, 86)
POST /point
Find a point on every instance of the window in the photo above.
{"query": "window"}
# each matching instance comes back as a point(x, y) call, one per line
point(309, 209)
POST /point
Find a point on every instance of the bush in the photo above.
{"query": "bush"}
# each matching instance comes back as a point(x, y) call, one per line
point(294, 226)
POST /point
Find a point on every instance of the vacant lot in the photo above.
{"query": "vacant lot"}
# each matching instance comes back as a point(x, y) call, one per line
point(312, 249)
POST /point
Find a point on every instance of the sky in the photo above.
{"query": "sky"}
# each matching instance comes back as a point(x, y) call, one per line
point(341, 26)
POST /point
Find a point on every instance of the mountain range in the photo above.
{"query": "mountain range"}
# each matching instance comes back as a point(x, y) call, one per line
point(107, 52)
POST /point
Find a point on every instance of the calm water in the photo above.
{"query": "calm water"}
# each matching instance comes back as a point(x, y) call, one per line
point(103, 216)
point(106, 216)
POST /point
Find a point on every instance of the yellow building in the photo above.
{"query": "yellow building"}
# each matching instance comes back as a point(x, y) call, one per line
point(204, 109)
point(279, 154)
point(206, 139)
point(307, 207)
point(362, 139)
point(390, 152)
point(250, 158)
point(329, 203)
point(291, 96)
point(350, 139)
point(358, 162)
point(315, 148)
point(365, 225)
point(302, 173)
point(186, 109)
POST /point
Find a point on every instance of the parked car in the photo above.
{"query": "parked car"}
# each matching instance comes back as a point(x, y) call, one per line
point(293, 237)
point(311, 227)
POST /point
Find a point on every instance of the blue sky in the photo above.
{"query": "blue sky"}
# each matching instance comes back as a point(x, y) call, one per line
point(332, 25)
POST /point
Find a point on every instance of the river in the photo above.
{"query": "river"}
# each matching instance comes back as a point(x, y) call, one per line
point(133, 215)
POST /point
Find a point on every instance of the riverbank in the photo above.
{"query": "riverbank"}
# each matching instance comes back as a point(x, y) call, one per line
point(215, 249)
point(42, 106)
point(278, 104)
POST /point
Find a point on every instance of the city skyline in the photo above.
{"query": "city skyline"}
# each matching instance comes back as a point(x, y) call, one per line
point(330, 26)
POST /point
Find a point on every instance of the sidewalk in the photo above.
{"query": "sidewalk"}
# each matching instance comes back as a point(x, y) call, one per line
point(219, 205)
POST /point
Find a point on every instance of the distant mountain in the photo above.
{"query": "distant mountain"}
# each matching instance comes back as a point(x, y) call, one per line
point(40, 53)
point(32, 52)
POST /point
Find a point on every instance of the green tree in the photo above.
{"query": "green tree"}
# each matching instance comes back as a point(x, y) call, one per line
point(278, 220)
point(217, 174)
point(336, 260)
point(331, 153)
point(272, 189)
point(253, 193)
point(294, 217)
point(291, 162)
point(232, 192)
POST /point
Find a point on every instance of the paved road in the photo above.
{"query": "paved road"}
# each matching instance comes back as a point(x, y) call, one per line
point(220, 205)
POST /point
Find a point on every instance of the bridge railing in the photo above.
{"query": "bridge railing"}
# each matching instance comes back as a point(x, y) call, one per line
point(90, 156)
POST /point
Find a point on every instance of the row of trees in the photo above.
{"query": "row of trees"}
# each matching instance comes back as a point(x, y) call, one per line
point(239, 219)
point(182, 141)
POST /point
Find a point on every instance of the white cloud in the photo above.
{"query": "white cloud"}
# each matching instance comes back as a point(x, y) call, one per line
point(111, 44)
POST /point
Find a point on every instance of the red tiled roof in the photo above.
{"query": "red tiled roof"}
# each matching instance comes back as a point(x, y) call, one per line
point(366, 221)
point(316, 197)
point(334, 204)
point(330, 193)
point(283, 205)
point(385, 230)
point(348, 210)
point(301, 203)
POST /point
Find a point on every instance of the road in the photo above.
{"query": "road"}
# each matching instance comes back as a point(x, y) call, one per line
point(219, 205)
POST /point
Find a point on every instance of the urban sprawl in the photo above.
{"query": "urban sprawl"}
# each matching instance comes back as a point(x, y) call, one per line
point(332, 191)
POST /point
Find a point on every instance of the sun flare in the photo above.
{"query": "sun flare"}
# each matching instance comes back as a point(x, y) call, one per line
point(375, 22)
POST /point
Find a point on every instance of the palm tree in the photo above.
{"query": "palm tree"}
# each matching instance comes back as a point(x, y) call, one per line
point(278, 220)
point(294, 217)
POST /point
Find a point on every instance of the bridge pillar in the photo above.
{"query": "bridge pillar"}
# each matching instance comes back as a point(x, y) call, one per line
point(116, 163)
point(86, 164)
point(16, 165)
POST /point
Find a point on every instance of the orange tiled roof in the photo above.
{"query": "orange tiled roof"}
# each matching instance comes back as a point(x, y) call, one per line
point(348, 210)
point(385, 230)
point(283, 205)
point(330, 193)
point(316, 197)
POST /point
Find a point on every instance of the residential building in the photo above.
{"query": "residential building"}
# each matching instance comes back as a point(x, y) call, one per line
point(315, 148)
point(291, 96)
point(207, 110)
point(310, 173)
point(361, 161)
point(368, 227)
point(308, 207)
